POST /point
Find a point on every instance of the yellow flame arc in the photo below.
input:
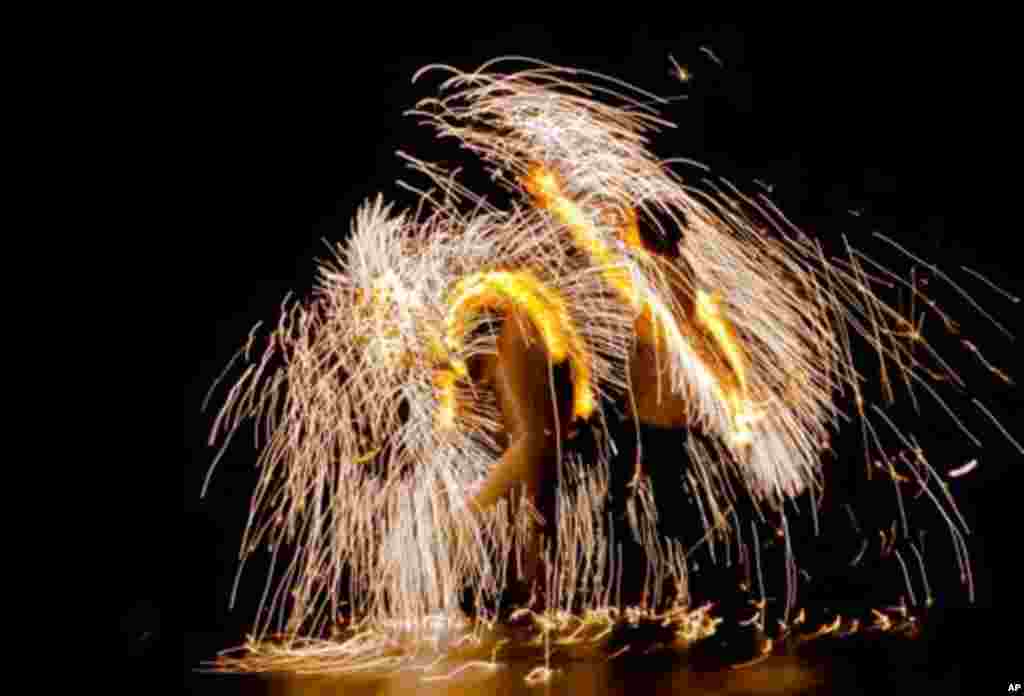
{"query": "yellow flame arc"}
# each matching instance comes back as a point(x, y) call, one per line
point(521, 291)
point(709, 315)
point(544, 186)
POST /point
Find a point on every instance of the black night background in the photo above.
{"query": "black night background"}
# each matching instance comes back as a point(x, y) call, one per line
point(855, 129)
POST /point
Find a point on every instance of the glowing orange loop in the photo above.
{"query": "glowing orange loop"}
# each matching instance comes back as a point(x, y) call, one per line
point(543, 306)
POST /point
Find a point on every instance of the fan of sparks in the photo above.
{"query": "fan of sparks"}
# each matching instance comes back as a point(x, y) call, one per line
point(376, 431)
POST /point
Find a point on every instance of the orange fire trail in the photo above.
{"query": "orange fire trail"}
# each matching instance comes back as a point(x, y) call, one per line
point(654, 317)
point(504, 290)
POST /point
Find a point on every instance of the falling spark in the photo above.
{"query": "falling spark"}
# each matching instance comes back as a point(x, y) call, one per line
point(965, 469)
point(680, 72)
point(995, 422)
point(710, 54)
point(1011, 297)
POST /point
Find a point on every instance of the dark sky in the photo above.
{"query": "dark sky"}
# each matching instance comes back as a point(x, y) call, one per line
point(291, 129)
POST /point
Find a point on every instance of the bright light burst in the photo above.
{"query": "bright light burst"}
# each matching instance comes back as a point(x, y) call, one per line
point(381, 405)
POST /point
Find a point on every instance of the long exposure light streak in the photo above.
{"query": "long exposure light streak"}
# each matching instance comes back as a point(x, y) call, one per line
point(393, 395)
